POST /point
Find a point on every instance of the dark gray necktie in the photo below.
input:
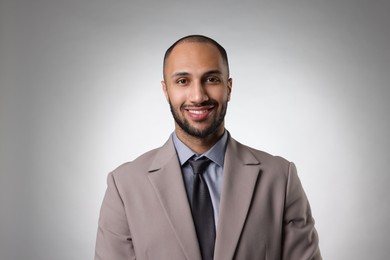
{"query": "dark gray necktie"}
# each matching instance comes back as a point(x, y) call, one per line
point(202, 209)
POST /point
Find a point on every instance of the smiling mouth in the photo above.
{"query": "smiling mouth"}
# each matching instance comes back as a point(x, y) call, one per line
point(199, 113)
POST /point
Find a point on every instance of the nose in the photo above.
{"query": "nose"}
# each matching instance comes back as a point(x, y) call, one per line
point(197, 93)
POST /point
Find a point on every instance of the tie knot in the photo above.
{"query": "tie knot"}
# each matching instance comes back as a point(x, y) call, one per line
point(199, 166)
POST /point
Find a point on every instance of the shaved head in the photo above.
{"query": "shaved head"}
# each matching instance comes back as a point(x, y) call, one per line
point(197, 39)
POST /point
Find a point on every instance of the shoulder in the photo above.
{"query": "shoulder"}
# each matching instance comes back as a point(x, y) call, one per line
point(141, 163)
point(268, 162)
point(146, 162)
point(261, 155)
point(267, 158)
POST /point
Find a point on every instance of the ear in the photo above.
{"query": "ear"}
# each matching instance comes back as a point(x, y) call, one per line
point(165, 89)
point(229, 86)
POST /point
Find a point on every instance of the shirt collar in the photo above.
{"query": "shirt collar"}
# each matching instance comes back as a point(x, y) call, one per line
point(215, 153)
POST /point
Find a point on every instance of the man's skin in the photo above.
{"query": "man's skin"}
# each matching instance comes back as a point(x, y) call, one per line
point(197, 86)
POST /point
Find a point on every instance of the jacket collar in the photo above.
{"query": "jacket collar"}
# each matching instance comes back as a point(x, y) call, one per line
point(241, 171)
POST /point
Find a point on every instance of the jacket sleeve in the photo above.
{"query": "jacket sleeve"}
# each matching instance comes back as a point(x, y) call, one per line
point(300, 239)
point(113, 236)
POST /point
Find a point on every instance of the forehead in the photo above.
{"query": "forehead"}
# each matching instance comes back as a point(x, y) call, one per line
point(194, 55)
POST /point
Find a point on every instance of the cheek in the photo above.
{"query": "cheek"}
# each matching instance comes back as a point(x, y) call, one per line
point(219, 95)
point(177, 98)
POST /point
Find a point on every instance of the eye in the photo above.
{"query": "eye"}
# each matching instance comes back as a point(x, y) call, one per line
point(213, 80)
point(182, 81)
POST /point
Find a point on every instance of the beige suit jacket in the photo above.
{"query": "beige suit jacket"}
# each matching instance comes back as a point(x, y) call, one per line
point(264, 212)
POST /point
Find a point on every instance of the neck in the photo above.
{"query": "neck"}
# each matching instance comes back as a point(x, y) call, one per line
point(200, 145)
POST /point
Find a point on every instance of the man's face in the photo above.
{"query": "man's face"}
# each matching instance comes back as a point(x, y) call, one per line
point(197, 88)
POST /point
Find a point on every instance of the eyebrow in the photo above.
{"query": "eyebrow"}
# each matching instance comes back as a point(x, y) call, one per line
point(181, 74)
point(213, 72)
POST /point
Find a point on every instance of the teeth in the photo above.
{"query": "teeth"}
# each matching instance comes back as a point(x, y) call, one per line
point(197, 111)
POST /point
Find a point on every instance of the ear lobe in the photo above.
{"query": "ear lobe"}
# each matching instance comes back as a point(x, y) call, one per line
point(229, 86)
point(165, 90)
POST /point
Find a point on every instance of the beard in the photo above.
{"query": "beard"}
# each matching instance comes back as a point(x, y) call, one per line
point(185, 125)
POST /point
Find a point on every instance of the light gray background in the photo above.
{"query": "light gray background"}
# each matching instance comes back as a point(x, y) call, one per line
point(80, 94)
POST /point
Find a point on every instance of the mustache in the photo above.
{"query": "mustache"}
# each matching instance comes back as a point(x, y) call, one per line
point(203, 104)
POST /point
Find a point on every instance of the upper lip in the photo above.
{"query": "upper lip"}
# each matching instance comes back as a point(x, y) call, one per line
point(199, 108)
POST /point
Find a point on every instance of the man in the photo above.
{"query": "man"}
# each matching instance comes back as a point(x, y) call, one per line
point(242, 204)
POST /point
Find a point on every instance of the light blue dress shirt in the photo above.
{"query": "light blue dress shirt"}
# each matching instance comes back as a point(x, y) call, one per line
point(212, 175)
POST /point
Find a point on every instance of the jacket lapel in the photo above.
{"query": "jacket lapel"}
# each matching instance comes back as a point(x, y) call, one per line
point(166, 177)
point(241, 170)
